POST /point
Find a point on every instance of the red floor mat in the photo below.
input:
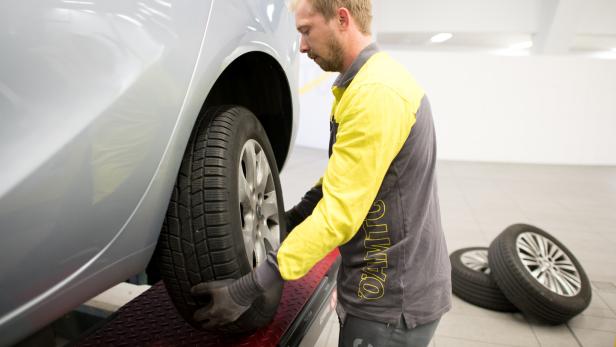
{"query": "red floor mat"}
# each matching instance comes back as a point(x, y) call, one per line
point(151, 320)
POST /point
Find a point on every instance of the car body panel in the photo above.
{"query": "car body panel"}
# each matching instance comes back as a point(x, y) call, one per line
point(98, 100)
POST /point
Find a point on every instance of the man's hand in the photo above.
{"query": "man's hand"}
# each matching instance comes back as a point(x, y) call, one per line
point(230, 298)
point(222, 309)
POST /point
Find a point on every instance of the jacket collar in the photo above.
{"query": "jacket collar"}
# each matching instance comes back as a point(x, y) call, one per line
point(344, 79)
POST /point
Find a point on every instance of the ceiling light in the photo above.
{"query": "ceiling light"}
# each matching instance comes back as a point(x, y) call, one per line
point(611, 54)
point(512, 52)
point(522, 45)
point(604, 55)
point(442, 37)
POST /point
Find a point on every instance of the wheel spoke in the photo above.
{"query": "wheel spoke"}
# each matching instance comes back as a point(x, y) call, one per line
point(565, 284)
point(574, 280)
point(528, 259)
point(566, 267)
point(558, 286)
point(269, 208)
point(535, 246)
point(563, 262)
point(262, 173)
point(547, 280)
point(555, 252)
point(270, 233)
point(530, 263)
point(243, 189)
point(526, 248)
point(272, 237)
point(476, 260)
point(541, 277)
point(259, 251)
point(532, 246)
point(250, 163)
point(543, 245)
point(249, 244)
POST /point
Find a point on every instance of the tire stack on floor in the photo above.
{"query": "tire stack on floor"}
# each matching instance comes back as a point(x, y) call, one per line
point(524, 269)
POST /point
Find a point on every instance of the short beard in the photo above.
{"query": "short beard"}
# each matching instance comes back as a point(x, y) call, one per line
point(334, 63)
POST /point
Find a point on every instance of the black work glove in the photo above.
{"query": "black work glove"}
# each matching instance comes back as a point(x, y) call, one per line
point(229, 299)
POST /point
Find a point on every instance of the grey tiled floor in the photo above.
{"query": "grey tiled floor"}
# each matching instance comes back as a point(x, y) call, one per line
point(478, 200)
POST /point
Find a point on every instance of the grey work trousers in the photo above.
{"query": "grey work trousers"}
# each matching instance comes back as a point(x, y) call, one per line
point(357, 332)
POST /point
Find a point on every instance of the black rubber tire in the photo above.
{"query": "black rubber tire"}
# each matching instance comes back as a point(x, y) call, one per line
point(523, 290)
point(201, 237)
point(476, 287)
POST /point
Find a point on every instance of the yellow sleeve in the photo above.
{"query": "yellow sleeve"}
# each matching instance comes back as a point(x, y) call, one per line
point(373, 124)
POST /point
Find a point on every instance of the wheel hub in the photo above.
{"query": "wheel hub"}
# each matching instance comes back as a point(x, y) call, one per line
point(476, 260)
point(258, 203)
point(548, 264)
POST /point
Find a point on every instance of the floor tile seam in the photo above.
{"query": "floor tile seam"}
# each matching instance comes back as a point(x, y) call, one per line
point(481, 315)
point(468, 205)
point(604, 300)
point(574, 335)
point(480, 341)
point(613, 242)
point(593, 329)
point(613, 309)
point(483, 225)
point(563, 205)
point(507, 319)
point(600, 317)
point(532, 328)
point(515, 202)
point(472, 211)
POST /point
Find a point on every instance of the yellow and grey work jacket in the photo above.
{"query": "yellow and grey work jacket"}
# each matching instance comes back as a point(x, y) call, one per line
point(377, 200)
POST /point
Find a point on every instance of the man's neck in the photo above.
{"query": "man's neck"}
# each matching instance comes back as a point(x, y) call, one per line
point(353, 50)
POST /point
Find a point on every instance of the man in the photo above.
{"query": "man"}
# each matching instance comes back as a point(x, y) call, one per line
point(377, 200)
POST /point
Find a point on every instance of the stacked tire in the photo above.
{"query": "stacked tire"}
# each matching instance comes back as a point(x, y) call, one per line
point(525, 269)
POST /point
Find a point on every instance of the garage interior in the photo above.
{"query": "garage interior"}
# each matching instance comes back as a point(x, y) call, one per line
point(478, 201)
point(523, 96)
point(523, 100)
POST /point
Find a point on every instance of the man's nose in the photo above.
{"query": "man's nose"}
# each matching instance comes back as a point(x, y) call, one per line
point(303, 46)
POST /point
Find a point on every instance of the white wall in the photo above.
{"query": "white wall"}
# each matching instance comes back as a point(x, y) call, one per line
point(315, 104)
point(487, 16)
point(533, 109)
point(506, 16)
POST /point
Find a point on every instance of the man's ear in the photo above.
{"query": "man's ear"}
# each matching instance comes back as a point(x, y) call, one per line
point(344, 18)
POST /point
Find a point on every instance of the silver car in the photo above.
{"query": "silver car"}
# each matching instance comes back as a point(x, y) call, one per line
point(133, 126)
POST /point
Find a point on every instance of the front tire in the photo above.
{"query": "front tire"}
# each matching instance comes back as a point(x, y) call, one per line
point(224, 214)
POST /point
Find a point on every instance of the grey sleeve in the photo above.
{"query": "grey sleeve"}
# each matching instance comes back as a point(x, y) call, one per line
point(267, 273)
point(246, 289)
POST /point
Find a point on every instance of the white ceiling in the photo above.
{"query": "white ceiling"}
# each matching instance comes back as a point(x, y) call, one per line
point(554, 26)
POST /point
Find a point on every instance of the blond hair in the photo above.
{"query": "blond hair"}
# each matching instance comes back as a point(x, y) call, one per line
point(360, 10)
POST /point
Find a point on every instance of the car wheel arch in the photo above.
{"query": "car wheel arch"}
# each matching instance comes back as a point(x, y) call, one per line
point(257, 81)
